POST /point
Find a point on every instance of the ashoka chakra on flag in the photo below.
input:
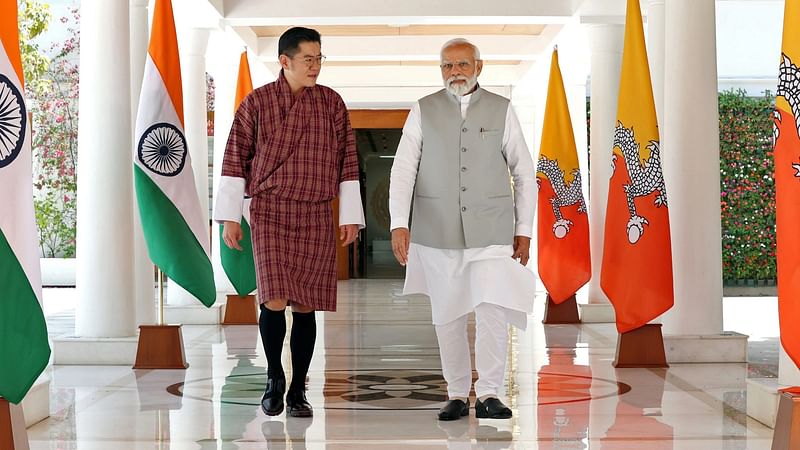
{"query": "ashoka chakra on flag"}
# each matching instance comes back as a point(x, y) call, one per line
point(13, 120)
point(162, 149)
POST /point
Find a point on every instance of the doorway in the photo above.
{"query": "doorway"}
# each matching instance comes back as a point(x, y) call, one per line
point(377, 133)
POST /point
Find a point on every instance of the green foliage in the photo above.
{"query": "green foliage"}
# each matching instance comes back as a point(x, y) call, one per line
point(747, 185)
point(34, 19)
point(52, 95)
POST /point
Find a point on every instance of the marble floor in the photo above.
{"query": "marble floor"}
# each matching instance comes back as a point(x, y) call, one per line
point(375, 382)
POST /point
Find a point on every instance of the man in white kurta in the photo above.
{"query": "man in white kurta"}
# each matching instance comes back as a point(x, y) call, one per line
point(470, 238)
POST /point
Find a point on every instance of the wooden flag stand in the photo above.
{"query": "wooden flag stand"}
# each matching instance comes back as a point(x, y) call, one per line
point(160, 346)
point(564, 312)
point(787, 423)
point(642, 347)
point(241, 310)
point(13, 435)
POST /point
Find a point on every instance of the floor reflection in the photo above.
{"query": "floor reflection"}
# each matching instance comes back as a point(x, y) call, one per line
point(375, 382)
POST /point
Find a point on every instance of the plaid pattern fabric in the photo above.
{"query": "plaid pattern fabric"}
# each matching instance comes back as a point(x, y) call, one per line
point(293, 152)
point(294, 247)
point(294, 148)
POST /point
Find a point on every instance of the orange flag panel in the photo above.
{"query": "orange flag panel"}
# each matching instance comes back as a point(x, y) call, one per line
point(563, 225)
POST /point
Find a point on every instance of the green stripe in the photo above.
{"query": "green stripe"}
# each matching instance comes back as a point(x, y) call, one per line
point(172, 245)
point(24, 350)
point(239, 264)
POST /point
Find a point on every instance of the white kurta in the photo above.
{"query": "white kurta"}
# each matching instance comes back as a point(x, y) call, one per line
point(459, 280)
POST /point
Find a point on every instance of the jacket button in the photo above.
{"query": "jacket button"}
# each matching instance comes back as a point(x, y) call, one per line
point(464, 130)
point(463, 208)
point(463, 149)
point(463, 188)
point(463, 169)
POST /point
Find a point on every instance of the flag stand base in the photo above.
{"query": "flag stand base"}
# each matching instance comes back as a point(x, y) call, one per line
point(787, 423)
point(160, 347)
point(642, 347)
point(8, 440)
point(241, 310)
point(564, 312)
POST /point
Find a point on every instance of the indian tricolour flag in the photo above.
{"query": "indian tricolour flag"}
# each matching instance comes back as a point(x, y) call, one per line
point(176, 235)
point(24, 350)
point(239, 265)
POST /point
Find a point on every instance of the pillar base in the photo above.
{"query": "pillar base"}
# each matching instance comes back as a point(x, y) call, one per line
point(36, 403)
point(787, 423)
point(13, 435)
point(196, 314)
point(241, 310)
point(564, 312)
point(73, 350)
point(597, 313)
point(160, 347)
point(726, 347)
point(762, 399)
point(642, 347)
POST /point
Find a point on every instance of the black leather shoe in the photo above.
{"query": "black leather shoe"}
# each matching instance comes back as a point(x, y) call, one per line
point(454, 410)
point(297, 405)
point(492, 408)
point(272, 401)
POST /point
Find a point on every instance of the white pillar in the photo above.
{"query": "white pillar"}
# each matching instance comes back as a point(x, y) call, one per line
point(655, 55)
point(104, 274)
point(606, 46)
point(224, 67)
point(193, 75)
point(691, 167)
point(142, 266)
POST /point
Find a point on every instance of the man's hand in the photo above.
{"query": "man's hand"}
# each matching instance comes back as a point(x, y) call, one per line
point(400, 241)
point(232, 234)
point(522, 247)
point(348, 234)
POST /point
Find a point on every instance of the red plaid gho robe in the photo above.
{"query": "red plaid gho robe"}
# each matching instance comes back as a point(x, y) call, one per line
point(293, 153)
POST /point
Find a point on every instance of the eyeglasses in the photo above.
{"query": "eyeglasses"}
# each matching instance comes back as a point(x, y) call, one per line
point(310, 60)
point(462, 65)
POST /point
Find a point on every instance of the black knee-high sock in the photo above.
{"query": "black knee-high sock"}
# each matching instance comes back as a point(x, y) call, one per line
point(272, 325)
point(304, 334)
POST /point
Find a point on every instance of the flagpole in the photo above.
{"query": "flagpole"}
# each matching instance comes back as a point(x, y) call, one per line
point(160, 297)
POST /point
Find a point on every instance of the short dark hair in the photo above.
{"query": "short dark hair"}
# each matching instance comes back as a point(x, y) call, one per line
point(290, 40)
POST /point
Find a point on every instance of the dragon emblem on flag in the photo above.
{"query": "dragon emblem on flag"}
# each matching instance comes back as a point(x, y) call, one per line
point(788, 88)
point(566, 194)
point(646, 177)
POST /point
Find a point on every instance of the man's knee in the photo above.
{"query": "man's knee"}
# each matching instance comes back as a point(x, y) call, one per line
point(298, 308)
point(275, 304)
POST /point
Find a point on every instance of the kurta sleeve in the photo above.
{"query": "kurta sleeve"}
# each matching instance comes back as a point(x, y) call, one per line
point(239, 153)
point(404, 170)
point(523, 172)
point(351, 210)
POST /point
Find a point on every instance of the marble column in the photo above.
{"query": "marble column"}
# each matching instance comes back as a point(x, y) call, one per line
point(142, 266)
point(104, 275)
point(690, 158)
point(193, 75)
point(224, 69)
point(606, 47)
point(655, 55)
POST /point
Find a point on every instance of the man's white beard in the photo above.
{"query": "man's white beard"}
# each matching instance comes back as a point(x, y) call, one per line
point(461, 89)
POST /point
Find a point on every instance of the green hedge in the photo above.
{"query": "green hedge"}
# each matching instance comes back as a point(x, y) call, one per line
point(747, 186)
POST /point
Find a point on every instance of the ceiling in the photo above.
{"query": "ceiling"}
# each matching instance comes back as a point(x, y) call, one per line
point(394, 46)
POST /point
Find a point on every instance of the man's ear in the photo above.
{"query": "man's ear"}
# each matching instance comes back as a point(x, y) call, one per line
point(284, 61)
point(478, 67)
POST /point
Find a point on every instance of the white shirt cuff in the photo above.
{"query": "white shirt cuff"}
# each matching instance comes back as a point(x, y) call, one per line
point(351, 211)
point(523, 230)
point(399, 222)
point(230, 195)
